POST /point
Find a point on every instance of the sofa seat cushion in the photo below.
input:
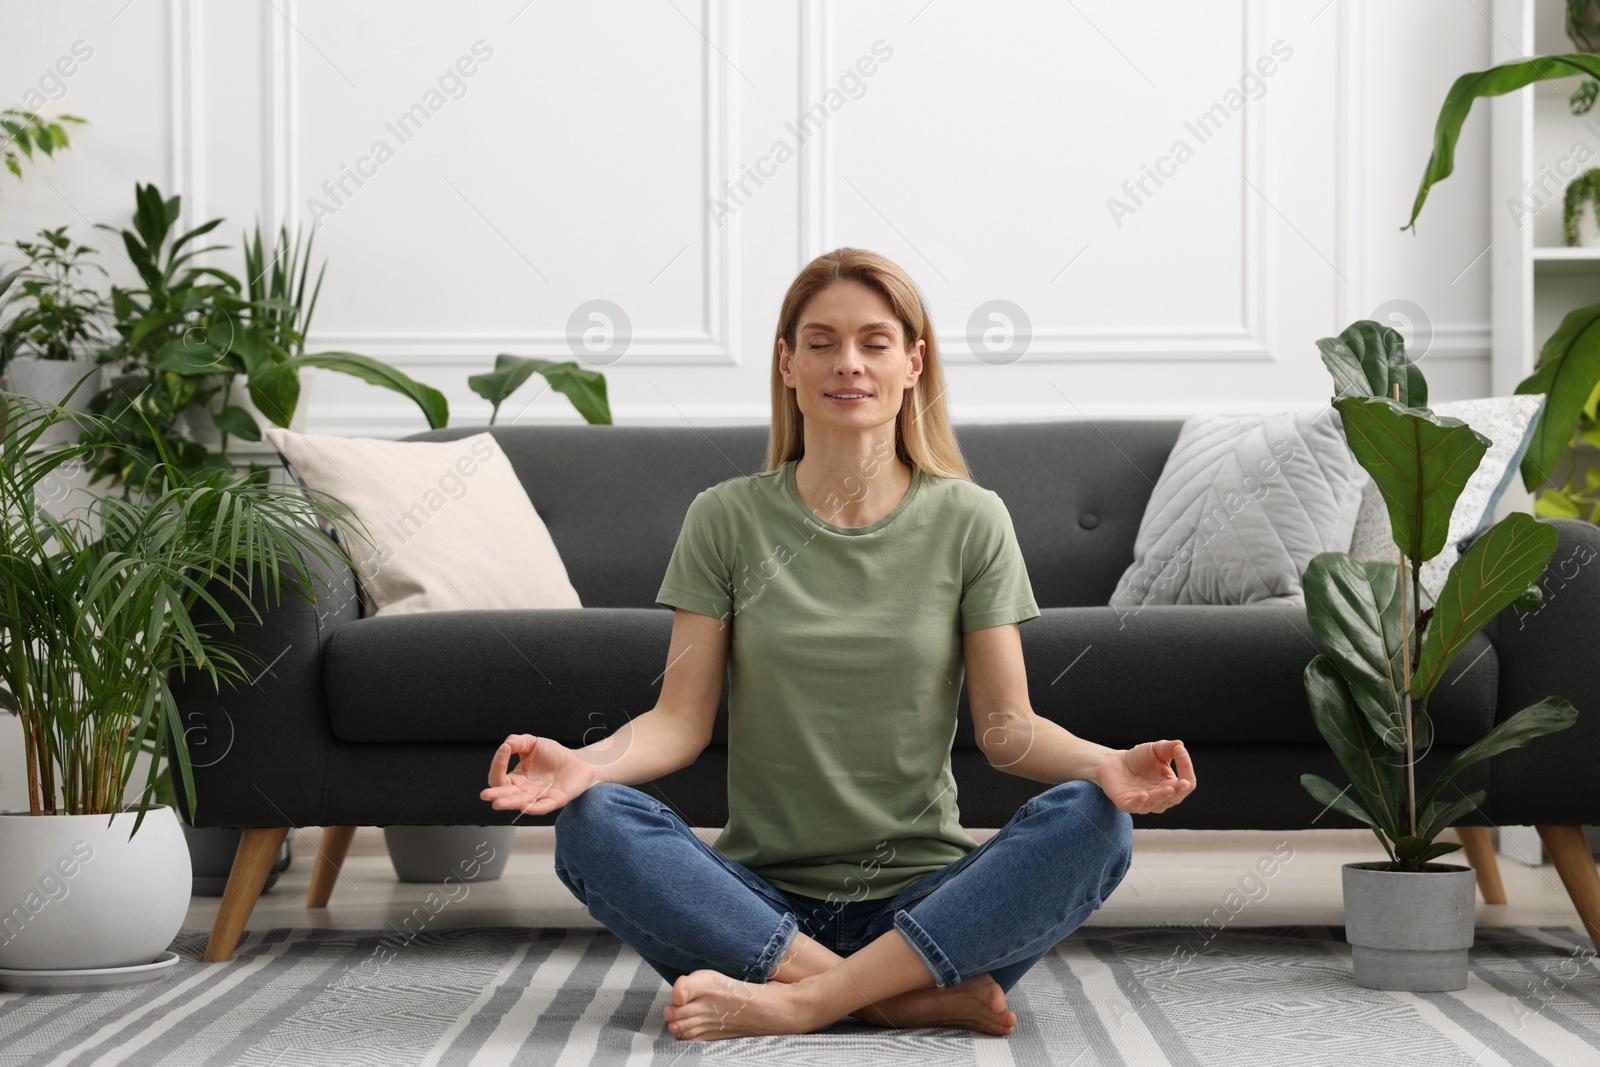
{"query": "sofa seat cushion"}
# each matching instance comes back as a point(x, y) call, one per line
point(477, 676)
point(1209, 674)
point(1206, 674)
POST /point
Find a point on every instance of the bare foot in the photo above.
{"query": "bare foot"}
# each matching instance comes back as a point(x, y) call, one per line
point(708, 1005)
point(975, 1003)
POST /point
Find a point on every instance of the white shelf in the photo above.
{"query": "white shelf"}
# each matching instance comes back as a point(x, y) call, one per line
point(1575, 252)
point(1565, 261)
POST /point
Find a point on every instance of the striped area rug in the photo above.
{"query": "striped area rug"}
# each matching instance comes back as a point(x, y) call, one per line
point(1107, 995)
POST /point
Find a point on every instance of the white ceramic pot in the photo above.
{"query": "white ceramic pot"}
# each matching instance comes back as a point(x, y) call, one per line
point(1409, 930)
point(76, 892)
point(49, 380)
point(462, 853)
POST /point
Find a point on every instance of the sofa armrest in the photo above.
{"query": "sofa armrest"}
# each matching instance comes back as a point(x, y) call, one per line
point(260, 748)
point(1552, 651)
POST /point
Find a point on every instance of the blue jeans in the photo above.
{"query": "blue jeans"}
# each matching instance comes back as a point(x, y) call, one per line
point(683, 906)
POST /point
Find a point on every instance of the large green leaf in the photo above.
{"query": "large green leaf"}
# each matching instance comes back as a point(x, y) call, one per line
point(435, 408)
point(585, 388)
point(1421, 462)
point(1413, 852)
point(239, 422)
point(1438, 815)
point(1354, 607)
point(1568, 374)
point(1369, 359)
point(1534, 721)
point(1497, 569)
point(1324, 792)
point(1364, 758)
point(275, 395)
point(1492, 82)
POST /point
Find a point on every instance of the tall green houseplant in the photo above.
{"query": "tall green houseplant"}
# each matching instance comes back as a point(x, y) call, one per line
point(1384, 652)
point(1568, 368)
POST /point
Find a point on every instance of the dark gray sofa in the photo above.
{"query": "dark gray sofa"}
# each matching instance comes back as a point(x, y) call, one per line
point(393, 720)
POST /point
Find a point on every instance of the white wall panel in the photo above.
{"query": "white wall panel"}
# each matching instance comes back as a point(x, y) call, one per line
point(682, 160)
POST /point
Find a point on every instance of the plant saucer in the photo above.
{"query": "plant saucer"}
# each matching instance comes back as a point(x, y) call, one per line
point(88, 980)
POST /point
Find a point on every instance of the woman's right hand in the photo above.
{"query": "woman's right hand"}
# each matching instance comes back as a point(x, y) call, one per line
point(548, 775)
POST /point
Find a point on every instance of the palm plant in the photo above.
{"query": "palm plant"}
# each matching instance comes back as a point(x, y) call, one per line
point(1384, 651)
point(98, 604)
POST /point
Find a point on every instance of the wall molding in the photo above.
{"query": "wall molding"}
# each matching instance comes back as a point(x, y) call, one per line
point(1247, 342)
point(717, 344)
point(186, 177)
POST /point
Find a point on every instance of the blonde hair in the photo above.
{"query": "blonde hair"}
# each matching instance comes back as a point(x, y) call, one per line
point(922, 436)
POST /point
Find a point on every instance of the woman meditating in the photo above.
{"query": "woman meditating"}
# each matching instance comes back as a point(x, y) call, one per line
point(848, 590)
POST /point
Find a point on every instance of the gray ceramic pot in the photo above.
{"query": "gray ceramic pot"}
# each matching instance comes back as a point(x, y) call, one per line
point(211, 852)
point(1409, 930)
point(437, 853)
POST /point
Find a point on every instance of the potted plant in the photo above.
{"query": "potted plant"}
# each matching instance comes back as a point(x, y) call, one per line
point(193, 331)
point(96, 607)
point(1409, 920)
point(1579, 227)
point(54, 324)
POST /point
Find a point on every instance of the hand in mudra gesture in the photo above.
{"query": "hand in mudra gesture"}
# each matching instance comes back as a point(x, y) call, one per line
point(548, 775)
point(1141, 779)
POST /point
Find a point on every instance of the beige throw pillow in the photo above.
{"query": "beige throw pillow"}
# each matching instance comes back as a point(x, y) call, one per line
point(447, 524)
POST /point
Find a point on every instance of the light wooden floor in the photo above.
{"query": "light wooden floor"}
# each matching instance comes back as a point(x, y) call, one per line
point(1178, 877)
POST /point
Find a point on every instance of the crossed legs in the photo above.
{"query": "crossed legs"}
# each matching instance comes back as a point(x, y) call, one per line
point(731, 945)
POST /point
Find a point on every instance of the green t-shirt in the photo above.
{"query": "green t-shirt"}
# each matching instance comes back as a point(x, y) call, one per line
point(846, 669)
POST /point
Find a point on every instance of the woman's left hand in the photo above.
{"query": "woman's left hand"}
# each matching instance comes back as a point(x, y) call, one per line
point(1141, 779)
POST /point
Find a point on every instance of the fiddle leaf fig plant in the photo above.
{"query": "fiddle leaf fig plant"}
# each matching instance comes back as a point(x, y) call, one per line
point(1386, 643)
point(1568, 368)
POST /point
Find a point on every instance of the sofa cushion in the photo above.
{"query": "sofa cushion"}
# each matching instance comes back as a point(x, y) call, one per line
point(451, 676)
point(1243, 504)
point(431, 525)
point(1213, 675)
point(1208, 675)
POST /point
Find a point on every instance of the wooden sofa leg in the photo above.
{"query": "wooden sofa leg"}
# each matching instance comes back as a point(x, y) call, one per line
point(1569, 848)
point(258, 849)
point(1480, 853)
point(330, 861)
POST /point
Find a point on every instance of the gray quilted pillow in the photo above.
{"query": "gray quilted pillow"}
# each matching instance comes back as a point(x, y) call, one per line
point(1241, 506)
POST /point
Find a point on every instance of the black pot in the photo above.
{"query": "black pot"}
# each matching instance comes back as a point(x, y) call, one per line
point(211, 853)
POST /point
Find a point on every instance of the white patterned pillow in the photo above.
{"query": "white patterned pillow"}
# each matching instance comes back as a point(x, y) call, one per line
point(1241, 506)
point(1507, 421)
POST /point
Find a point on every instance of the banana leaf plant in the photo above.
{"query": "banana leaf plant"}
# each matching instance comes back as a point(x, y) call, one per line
point(1568, 369)
point(585, 388)
point(1386, 645)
